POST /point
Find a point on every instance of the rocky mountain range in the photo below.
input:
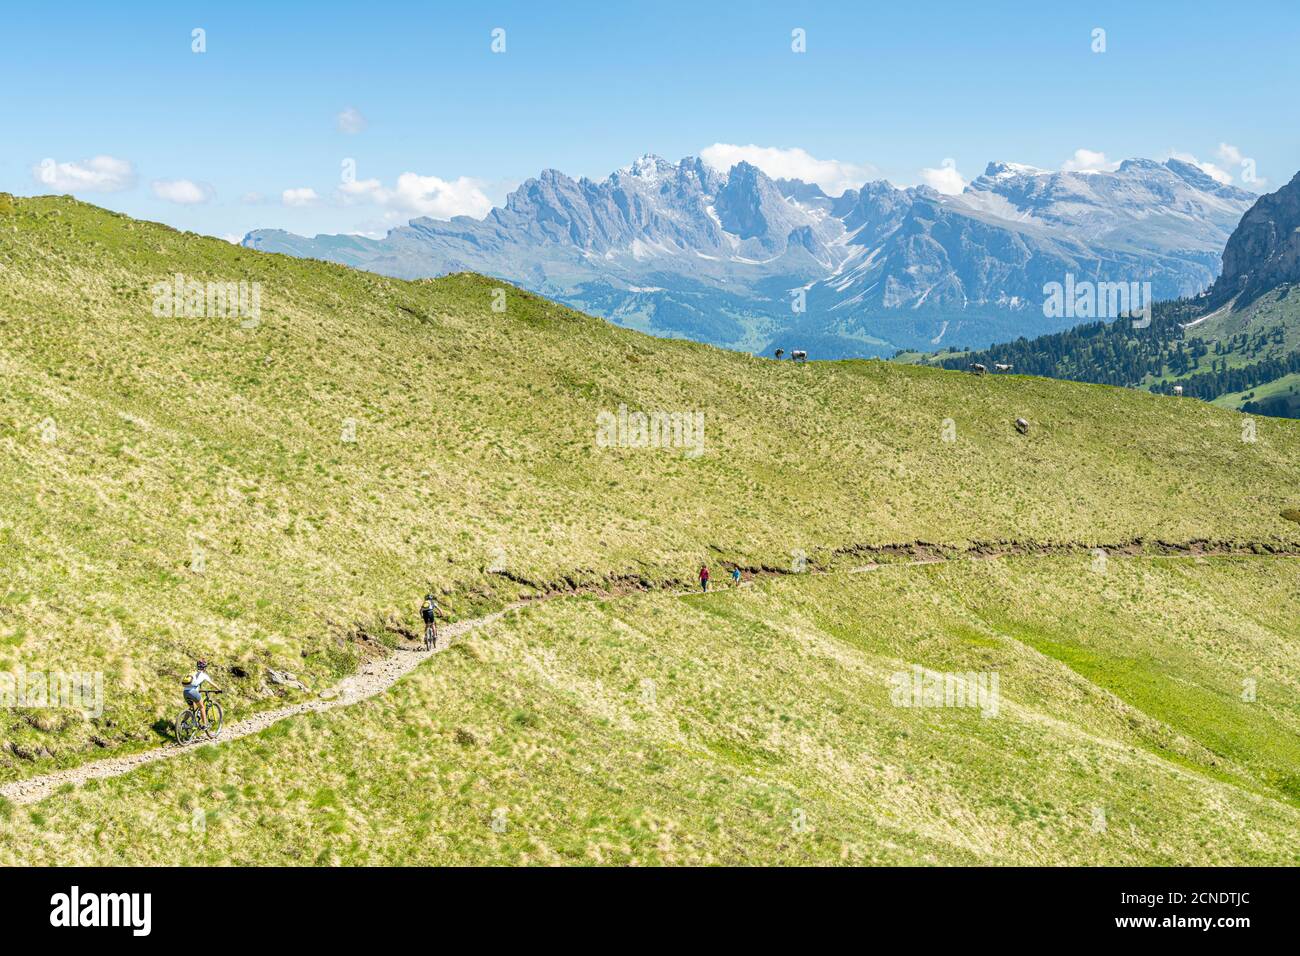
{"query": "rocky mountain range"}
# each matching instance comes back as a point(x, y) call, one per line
point(744, 261)
point(1237, 344)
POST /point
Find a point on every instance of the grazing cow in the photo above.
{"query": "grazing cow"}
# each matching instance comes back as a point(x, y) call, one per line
point(1178, 390)
point(780, 352)
point(799, 355)
point(977, 369)
point(999, 367)
point(1022, 426)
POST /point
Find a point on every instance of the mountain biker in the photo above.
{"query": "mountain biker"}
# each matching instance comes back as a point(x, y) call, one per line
point(192, 685)
point(704, 577)
point(735, 575)
point(429, 613)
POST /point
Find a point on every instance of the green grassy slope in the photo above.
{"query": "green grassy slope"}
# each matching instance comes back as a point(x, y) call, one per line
point(758, 725)
point(171, 487)
point(1278, 391)
point(1275, 311)
point(1251, 337)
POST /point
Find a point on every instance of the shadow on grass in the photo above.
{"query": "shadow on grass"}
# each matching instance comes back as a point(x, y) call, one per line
point(165, 728)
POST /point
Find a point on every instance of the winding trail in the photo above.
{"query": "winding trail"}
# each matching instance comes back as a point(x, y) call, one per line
point(377, 676)
point(373, 678)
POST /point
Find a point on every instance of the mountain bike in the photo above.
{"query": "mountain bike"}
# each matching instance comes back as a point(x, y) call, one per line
point(430, 635)
point(190, 724)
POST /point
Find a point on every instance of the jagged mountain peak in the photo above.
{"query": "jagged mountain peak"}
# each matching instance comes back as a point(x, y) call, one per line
point(646, 167)
point(801, 191)
point(687, 249)
point(1138, 163)
point(1198, 179)
point(1005, 170)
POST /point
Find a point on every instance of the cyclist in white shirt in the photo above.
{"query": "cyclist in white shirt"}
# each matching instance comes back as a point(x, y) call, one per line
point(192, 685)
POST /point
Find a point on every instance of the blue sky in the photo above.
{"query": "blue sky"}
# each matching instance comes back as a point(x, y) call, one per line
point(110, 102)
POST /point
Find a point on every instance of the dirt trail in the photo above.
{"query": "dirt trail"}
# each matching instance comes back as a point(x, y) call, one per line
point(376, 676)
point(373, 678)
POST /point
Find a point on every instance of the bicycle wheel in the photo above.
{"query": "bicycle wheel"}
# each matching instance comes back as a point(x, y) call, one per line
point(185, 726)
point(215, 718)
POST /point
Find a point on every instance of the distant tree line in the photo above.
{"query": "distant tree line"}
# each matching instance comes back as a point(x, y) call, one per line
point(1241, 378)
point(1116, 353)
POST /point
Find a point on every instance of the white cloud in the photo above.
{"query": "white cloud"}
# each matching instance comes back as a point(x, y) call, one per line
point(1234, 158)
point(831, 175)
point(184, 192)
point(362, 190)
point(252, 199)
point(1088, 161)
point(102, 174)
point(233, 238)
point(1230, 154)
point(423, 195)
point(351, 121)
point(1211, 170)
point(945, 179)
point(303, 196)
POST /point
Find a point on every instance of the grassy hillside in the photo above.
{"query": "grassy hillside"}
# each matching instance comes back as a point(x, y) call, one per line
point(759, 725)
point(279, 493)
point(1279, 396)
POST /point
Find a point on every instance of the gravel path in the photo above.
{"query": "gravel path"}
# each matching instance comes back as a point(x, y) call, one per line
point(377, 676)
point(373, 678)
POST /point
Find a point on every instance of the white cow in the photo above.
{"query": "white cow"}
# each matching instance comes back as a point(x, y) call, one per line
point(799, 355)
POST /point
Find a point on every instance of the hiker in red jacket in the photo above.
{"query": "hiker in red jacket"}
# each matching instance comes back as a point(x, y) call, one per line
point(704, 577)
